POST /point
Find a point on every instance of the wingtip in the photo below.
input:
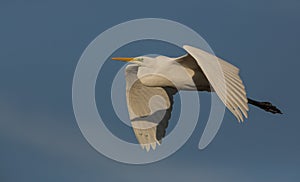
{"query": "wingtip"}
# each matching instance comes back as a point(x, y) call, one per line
point(149, 146)
point(186, 47)
point(153, 145)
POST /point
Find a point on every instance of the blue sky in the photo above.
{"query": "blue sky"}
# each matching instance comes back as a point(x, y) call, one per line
point(41, 43)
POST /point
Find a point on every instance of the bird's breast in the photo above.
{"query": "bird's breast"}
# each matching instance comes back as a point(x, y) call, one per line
point(170, 74)
point(165, 80)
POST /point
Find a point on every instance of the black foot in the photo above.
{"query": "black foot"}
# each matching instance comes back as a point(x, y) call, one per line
point(267, 106)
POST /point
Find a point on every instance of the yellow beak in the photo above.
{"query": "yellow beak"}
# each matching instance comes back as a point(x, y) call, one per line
point(122, 59)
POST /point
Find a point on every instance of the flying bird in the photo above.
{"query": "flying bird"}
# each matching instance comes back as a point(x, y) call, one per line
point(152, 82)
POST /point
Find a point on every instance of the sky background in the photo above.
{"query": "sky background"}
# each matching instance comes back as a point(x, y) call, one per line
point(42, 41)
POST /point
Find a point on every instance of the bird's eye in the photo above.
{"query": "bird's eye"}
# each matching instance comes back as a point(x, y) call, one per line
point(140, 59)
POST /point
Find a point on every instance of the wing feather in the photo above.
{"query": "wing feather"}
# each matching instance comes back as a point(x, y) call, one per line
point(149, 109)
point(224, 79)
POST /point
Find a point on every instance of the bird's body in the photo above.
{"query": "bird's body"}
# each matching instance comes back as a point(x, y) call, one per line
point(152, 82)
point(168, 72)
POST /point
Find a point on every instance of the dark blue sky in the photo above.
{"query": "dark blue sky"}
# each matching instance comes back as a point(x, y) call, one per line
point(41, 43)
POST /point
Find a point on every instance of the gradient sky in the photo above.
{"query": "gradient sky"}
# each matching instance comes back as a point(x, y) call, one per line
point(41, 43)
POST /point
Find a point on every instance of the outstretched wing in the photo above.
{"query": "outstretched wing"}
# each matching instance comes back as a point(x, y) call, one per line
point(149, 109)
point(224, 79)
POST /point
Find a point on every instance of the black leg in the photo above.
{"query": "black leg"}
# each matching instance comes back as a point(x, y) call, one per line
point(267, 106)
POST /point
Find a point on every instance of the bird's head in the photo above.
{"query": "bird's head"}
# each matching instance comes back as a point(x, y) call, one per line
point(141, 61)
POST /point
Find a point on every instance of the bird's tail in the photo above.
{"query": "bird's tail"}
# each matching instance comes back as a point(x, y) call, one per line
point(267, 106)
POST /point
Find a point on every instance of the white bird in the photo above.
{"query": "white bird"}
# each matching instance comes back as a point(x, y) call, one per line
point(152, 82)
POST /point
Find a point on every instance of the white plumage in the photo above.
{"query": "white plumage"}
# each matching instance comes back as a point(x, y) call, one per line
point(152, 82)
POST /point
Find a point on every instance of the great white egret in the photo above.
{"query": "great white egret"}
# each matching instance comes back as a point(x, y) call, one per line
point(152, 82)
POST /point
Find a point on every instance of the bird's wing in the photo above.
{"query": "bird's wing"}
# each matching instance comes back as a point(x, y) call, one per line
point(224, 79)
point(149, 109)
